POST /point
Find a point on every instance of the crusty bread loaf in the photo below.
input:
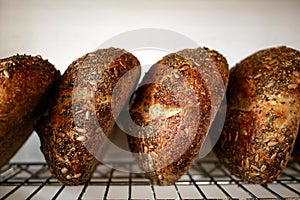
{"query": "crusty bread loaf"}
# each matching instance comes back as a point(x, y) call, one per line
point(25, 84)
point(262, 115)
point(173, 109)
point(91, 94)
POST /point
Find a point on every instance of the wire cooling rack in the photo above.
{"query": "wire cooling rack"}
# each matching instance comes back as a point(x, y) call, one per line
point(206, 179)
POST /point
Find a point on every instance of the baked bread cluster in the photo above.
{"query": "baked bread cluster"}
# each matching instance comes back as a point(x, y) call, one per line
point(172, 111)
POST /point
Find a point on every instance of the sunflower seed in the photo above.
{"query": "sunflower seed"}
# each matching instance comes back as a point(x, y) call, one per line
point(272, 143)
point(273, 156)
point(92, 82)
point(153, 154)
point(236, 136)
point(288, 63)
point(77, 175)
point(81, 130)
point(257, 76)
point(68, 177)
point(244, 132)
point(247, 163)
point(254, 167)
point(272, 62)
point(145, 149)
point(64, 170)
point(176, 75)
point(87, 115)
point(296, 73)
point(268, 58)
point(185, 67)
point(266, 140)
point(58, 140)
point(271, 84)
point(282, 164)
point(263, 176)
point(253, 174)
point(6, 74)
point(81, 138)
point(267, 66)
point(229, 137)
point(263, 168)
point(226, 160)
point(281, 139)
point(290, 86)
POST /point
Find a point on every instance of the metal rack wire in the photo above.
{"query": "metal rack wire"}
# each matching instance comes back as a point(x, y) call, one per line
point(206, 179)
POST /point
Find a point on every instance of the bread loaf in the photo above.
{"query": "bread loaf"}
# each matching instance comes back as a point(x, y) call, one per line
point(83, 112)
point(173, 109)
point(25, 85)
point(263, 115)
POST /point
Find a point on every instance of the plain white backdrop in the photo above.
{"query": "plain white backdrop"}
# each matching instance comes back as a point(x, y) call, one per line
point(61, 31)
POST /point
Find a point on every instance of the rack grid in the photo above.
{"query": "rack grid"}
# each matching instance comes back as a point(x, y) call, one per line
point(206, 179)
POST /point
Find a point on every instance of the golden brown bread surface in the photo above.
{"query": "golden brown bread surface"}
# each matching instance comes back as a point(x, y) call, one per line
point(262, 116)
point(25, 82)
point(173, 109)
point(93, 88)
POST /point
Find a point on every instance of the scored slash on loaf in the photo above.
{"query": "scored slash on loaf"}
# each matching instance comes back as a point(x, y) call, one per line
point(173, 109)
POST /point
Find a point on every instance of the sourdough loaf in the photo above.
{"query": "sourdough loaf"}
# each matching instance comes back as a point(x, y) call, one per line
point(173, 109)
point(26, 83)
point(83, 112)
point(262, 116)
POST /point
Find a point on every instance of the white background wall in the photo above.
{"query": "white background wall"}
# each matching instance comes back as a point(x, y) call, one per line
point(62, 31)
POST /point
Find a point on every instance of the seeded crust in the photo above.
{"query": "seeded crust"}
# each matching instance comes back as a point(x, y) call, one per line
point(262, 116)
point(25, 84)
point(93, 88)
point(173, 110)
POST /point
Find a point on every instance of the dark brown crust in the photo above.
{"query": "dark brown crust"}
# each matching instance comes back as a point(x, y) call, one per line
point(25, 83)
point(174, 107)
point(262, 116)
point(81, 116)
